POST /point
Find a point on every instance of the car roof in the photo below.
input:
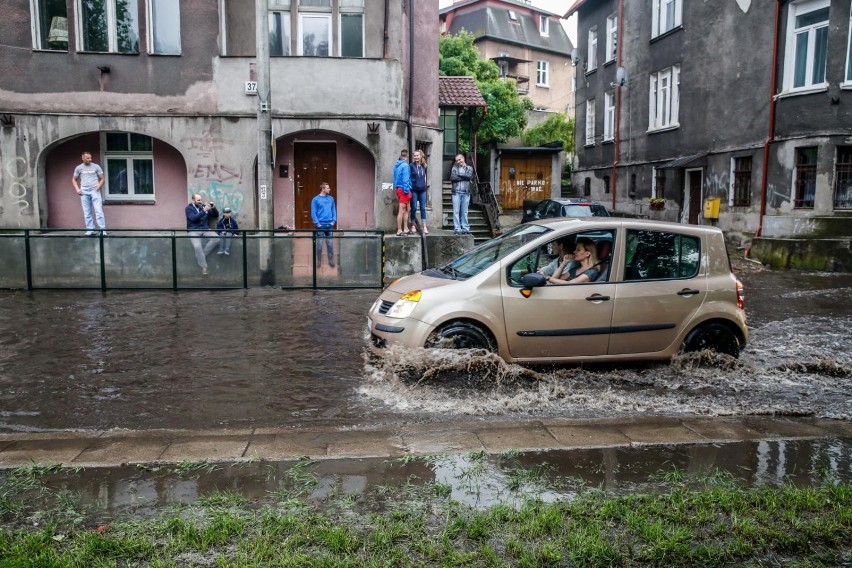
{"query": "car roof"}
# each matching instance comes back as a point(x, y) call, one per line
point(559, 223)
point(573, 201)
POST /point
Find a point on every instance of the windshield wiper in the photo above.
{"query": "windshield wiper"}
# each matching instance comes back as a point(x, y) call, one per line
point(449, 270)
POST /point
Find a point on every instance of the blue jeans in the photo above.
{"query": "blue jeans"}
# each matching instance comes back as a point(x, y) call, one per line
point(93, 200)
point(324, 233)
point(418, 197)
point(460, 205)
point(225, 242)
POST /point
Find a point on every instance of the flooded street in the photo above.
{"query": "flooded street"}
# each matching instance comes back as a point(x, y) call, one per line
point(86, 360)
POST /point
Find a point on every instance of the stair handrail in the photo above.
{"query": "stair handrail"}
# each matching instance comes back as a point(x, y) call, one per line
point(483, 193)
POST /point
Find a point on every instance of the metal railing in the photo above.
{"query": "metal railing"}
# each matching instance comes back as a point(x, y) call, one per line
point(483, 194)
point(165, 259)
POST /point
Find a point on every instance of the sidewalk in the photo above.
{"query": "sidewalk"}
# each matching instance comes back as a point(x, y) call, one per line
point(120, 447)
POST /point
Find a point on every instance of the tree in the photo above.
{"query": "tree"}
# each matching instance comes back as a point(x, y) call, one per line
point(556, 127)
point(505, 116)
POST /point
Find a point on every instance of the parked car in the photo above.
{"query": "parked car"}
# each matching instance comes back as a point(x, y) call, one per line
point(561, 207)
point(665, 287)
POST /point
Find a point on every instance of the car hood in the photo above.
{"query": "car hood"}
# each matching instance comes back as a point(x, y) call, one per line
point(418, 282)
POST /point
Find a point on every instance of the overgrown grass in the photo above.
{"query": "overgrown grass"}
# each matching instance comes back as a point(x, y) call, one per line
point(704, 520)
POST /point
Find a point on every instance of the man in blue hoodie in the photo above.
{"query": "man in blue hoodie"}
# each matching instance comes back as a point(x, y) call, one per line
point(402, 183)
point(199, 230)
point(324, 216)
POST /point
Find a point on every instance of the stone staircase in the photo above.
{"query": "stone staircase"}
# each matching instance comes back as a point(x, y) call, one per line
point(808, 243)
point(476, 216)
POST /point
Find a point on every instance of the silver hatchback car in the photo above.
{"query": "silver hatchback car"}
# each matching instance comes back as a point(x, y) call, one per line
point(656, 288)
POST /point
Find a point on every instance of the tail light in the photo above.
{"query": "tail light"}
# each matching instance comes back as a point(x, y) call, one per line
point(740, 296)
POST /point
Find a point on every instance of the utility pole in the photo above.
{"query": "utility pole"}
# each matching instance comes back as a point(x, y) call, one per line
point(264, 146)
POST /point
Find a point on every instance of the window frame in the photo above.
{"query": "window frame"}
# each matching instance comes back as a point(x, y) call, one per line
point(151, 28)
point(804, 175)
point(843, 177)
point(664, 112)
point(590, 122)
point(795, 10)
point(129, 156)
point(848, 80)
point(37, 27)
point(315, 12)
point(351, 11)
point(542, 70)
point(609, 116)
point(543, 25)
point(611, 37)
point(592, 46)
point(660, 17)
point(284, 45)
point(112, 28)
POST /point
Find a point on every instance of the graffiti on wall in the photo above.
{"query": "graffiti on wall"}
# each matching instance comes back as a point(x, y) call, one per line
point(16, 171)
point(776, 198)
point(211, 174)
point(716, 185)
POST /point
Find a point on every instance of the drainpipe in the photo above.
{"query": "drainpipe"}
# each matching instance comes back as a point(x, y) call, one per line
point(410, 75)
point(386, 37)
point(617, 106)
point(764, 184)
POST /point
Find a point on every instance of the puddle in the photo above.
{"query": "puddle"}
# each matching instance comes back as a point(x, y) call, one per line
point(475, 479)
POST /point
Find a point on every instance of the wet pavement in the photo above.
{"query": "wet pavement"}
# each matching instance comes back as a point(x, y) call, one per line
point(85, 377)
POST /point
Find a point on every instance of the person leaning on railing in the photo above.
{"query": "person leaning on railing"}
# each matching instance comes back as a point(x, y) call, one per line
point(203, 240)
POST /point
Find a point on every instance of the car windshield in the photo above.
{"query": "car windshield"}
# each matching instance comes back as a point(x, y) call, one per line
point(492, 251)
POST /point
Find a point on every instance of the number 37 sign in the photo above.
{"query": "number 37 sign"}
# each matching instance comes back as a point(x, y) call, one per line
point(251, 87)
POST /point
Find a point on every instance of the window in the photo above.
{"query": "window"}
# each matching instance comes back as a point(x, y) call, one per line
point(513, 16)
point(542, 72)
point(843, 178)
point(611, 37)
point(742, 181)
point(606, 184)
point(593, 49)
point(108, 26)
point(164, 28)
point(609, 116)
point(807, 43)
point(315, 28)
point(664, 99)
point(665, 16)
point(658, 255)
point(543, 25)
point(805, 177)
point(129, 166)
point(632, 191)
point(849, 52)
point(352, 28)
point(587, 187)
point(448, 121)
point(590, 122)
point(50, 25)
point(659, 187)
point(279, 33)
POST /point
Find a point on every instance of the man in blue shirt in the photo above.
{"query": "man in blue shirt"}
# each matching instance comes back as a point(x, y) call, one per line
point(203, 240)
point(324, 216)
point(402, 183)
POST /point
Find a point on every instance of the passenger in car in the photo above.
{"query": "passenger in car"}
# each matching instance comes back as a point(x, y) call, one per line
point(604, 248)
point(585, 254)
point(562, 248)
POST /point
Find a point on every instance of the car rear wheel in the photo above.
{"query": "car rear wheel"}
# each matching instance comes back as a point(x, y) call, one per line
point(461, 335)
point(714, 336)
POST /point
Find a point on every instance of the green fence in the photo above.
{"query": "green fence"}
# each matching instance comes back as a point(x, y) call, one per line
point(131, 259)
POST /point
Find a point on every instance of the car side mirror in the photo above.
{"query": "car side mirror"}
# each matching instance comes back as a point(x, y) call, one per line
point(530, 281)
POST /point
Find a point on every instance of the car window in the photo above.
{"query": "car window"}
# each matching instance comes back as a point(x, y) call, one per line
point(659, 255)
point(599, 211)
point(538, 212)
point(492, 251)
point(542, 256)
point(576, 211)
point(552, 209)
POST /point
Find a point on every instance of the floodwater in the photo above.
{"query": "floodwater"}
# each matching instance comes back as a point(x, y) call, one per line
point(81, 360)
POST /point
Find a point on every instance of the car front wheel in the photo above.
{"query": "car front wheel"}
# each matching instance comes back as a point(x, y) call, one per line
point(461, 335)
point(714, 336)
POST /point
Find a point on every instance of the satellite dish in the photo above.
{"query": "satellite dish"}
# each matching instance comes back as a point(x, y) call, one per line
point(620, 76)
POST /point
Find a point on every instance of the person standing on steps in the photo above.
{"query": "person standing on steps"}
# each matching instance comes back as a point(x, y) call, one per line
point(88, 179)
point(324, 216)
point(460, 176)
point(402, 183)
point(419, 189)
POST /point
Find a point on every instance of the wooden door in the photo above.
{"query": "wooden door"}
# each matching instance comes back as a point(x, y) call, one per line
point(315, 162)
point(694, 196)
point(524, 178)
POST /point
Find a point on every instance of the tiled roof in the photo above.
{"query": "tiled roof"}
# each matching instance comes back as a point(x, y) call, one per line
point(487, 22)
point(459, 92)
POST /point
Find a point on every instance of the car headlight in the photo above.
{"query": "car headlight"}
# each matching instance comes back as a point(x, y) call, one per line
point(405, 305)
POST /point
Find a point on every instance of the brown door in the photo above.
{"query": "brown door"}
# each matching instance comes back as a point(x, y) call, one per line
point(524, 178)
point(694, 196)
point(315, 162)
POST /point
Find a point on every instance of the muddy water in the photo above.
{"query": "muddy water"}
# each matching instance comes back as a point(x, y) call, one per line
point(142, 359)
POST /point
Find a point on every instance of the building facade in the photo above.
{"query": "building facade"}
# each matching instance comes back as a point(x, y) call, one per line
point(163, 94)
point(756, 114)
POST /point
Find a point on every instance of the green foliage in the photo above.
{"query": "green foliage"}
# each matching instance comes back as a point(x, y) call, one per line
point(556, 127)
point(505, 116)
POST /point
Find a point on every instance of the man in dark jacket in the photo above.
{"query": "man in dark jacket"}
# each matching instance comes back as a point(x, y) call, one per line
point(227, 228)
point(203, 240)
point(461, 175)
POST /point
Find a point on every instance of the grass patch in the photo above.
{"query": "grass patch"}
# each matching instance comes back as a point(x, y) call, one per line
point(706, 520)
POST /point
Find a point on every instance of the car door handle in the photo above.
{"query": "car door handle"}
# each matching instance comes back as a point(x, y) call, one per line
point(688, 292)
point(597, 298)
